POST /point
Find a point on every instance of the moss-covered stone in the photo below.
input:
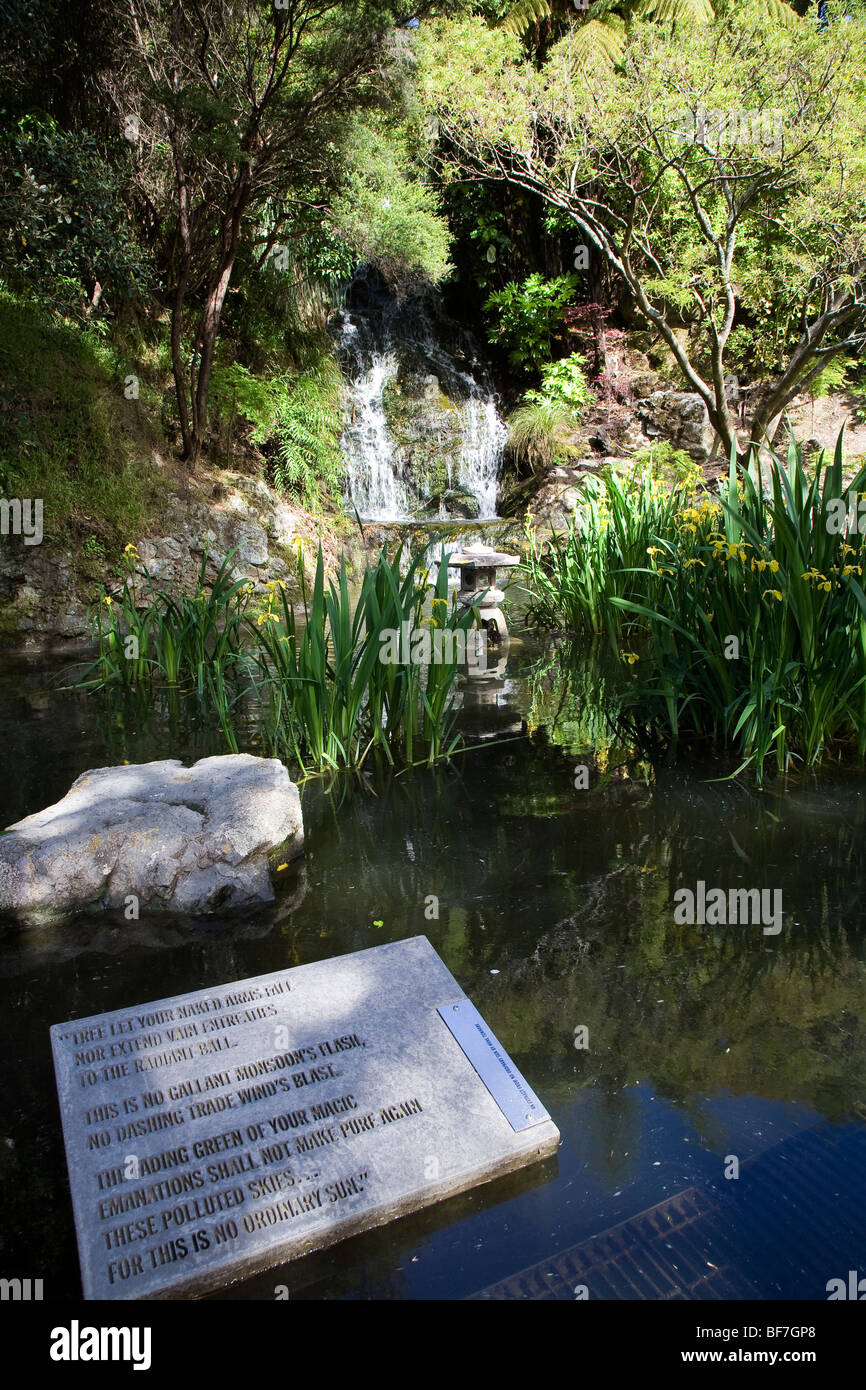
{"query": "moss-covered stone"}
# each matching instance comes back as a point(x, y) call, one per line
point(427, 429)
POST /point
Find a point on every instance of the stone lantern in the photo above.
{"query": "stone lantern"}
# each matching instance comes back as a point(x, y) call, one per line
point(478, 565)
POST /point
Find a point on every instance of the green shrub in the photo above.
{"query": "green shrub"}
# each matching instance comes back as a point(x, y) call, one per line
point(669, 465)
point(63, 223)
point(308, 462)
point(525, 317)
point(566, 381)
point(387, 212)
point(541, 425)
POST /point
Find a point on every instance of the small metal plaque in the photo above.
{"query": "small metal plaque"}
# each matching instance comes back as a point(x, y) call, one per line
point(514, 1096)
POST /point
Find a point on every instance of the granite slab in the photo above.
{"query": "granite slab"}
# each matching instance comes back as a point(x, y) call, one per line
point(216, 1134)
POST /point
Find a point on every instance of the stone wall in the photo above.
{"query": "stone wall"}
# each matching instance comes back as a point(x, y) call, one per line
point(45, 593)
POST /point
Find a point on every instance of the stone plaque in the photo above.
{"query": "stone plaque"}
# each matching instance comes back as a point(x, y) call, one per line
point(216, 1134)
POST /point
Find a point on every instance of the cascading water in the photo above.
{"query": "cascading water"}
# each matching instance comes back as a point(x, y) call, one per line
point(484, 437)
point(373, 484)
point(422, 435)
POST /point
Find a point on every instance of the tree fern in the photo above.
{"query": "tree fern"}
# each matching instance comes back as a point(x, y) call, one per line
point(308, 463)
point(674, 11)
point(524, 13)
point(600, 39)
point(600, 27)
point(779, 11)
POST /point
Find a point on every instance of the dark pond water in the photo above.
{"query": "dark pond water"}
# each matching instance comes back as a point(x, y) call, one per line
point(556, 912)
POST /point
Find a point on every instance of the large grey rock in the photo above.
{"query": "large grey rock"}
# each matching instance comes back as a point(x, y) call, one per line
point(176, 839)
point(681, 417)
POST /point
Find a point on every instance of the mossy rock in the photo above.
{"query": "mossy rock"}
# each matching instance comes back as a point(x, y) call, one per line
point(425, 425)
point(457, 502)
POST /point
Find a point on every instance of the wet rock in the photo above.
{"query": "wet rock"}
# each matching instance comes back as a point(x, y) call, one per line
point(453, 502)
point(157, 835)
point(426, 427)
point(40, 593)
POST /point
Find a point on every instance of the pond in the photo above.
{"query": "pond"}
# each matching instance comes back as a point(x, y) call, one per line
point(556, 915)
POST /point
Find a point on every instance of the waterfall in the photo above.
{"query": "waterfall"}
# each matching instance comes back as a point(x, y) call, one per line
point(373, 484)
point(481, 457)
point(422, 434)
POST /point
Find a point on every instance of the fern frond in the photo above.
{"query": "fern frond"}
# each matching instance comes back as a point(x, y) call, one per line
point(525, 13)
point(598, 39)
point(308, 458)
point(601, 9)
point(675, 11)
point(780, 11)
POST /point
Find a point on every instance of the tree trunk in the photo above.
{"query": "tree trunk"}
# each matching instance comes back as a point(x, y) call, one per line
point(182, 262)
point(209, 328)
point(212, 312)
point(595, 283)
point(177, 366)
point(94, 299)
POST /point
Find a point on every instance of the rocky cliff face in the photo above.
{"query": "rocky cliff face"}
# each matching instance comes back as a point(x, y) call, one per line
point(680, 417)
point(613, 433)
point(45, 594)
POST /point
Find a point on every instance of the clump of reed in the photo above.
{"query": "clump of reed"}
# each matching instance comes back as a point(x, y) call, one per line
point(145, 633)
point(328, 684)
point(573, 577)
point(756, 618)
point(747, 607)
point(333, 689)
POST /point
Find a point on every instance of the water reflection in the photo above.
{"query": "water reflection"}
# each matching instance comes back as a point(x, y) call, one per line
point(702, 1040)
